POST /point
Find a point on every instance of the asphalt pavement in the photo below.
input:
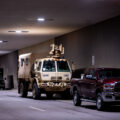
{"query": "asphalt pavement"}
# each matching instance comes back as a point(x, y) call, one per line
point(13, 107)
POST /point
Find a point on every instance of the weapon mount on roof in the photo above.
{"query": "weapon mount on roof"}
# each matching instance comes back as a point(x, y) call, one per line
point(57, 51)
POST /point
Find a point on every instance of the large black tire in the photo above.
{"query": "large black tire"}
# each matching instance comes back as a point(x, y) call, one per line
point(99, 102)
point(23, 90)
point(76, 98)
point(35, 91)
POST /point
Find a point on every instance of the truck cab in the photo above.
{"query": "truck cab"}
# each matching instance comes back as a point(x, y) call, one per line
point(100, 85)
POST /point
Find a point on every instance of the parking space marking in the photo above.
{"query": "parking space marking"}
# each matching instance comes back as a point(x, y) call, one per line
point(42, 110)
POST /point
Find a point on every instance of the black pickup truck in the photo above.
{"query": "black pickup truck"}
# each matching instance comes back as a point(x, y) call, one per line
point(100, 85)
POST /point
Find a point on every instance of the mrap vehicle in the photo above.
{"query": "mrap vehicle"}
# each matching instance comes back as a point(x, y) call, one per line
point(44, 75)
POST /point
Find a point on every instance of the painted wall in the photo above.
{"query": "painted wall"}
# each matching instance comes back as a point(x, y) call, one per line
point(9, 63)
point(41, 48)
point(100, 42)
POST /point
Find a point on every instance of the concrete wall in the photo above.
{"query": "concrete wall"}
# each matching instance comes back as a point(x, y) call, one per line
point(9, 63)
point(102, 41)
point(42, 48)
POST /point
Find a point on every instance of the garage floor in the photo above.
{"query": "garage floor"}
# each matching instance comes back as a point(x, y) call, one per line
point(13, 107)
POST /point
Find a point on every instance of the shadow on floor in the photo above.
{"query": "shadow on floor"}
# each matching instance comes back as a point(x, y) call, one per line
point(55, 97)
point(109, 108)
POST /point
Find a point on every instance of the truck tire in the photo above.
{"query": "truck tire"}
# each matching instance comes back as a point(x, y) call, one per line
point(35, 91)
point(99, 102)
point(23, 90)
point(76, 98)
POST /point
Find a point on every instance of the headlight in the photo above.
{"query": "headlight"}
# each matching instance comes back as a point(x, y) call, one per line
point(109, 86)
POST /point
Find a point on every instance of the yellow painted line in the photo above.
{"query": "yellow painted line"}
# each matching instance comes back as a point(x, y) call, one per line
point(42, 110)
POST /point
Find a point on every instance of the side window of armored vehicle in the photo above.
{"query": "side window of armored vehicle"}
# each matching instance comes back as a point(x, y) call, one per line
point(32, 71)
point(22, 61)
point(27, 61)
point(62, 66)
point(39, 66)
point(48, 66)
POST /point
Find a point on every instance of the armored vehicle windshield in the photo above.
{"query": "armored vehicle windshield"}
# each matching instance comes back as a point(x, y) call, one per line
point(52, 65)
point(62, 66)
point(49, 66)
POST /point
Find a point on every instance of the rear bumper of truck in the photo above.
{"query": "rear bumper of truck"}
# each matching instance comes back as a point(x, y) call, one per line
point(111, 97)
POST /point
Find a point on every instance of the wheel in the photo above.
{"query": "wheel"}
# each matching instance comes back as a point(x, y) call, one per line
point(99, 102)
point(23, 90)
point(49, 95)
point(35, 91)
point(76, 98)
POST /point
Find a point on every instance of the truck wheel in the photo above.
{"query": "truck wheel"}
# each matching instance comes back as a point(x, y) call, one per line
point(99, 102)
point(76, 98)
point(23, 90)
point(49, 95)
point(35, 91)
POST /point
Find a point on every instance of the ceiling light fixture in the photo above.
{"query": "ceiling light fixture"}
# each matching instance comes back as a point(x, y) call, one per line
point(2, 41)
point(18, 31)
point(41, 19)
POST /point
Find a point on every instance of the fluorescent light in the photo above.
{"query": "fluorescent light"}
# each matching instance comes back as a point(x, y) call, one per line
point(1, 41)
point(18, 31)
point(41, 19)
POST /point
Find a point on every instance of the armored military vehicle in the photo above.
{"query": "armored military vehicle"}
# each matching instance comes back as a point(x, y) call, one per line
point(44, 75)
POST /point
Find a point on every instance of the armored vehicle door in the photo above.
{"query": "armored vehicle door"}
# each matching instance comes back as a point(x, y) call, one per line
point(63, 71)
point(48, 72)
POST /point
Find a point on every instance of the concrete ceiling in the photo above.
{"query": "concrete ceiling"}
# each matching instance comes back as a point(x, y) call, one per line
point(62, 16)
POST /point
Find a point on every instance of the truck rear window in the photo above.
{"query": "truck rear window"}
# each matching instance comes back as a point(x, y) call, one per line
point(62, 66)
point(49, 66)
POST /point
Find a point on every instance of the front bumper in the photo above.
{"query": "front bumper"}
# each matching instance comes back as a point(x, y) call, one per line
point(50, 86)
point(111, 96)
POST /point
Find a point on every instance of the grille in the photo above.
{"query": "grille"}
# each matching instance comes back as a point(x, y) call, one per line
point(56, 78)
point(117, 87)
point(53, 78)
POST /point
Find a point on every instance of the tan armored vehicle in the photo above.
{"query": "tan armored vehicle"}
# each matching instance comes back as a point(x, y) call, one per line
point(48, 75)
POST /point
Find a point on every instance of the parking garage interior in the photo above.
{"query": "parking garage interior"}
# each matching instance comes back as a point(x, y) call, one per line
point(100, 41)
point(89, 30)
